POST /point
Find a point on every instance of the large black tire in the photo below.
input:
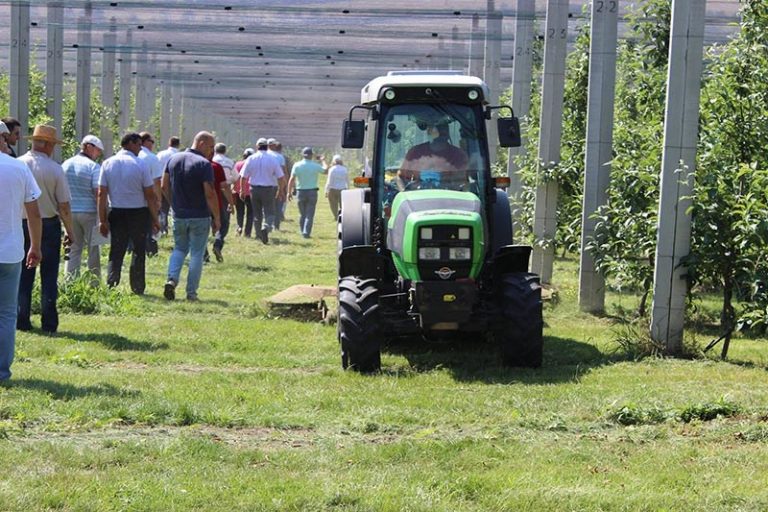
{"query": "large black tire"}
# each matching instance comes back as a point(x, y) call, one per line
point(358, 324)
point(519, 331)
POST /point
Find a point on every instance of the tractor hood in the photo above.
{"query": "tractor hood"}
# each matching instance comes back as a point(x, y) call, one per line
point(444, 212)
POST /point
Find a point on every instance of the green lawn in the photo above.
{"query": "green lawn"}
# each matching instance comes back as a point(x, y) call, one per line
point(217, 405)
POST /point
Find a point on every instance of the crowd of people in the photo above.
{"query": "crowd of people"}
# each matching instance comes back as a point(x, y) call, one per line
point(128, 201)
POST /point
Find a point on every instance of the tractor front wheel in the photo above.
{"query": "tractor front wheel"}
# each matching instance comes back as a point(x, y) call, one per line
point(358, 324)
point(519, 330)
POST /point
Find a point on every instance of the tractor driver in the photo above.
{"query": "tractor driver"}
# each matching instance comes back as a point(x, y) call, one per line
point(436, 157)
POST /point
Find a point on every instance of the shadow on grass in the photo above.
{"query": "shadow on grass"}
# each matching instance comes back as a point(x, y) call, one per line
point(114, 341)
point(62, 391)
point(565, 360)
point(253, 268)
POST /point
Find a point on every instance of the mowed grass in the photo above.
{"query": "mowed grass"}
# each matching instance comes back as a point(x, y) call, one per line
point(219, 405)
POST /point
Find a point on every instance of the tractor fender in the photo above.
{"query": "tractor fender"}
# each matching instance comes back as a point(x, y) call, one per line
point(355, 218)
point(501, 228)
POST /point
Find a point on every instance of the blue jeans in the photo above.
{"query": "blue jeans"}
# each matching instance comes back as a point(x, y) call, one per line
point(218, 240)
point(50, 247)
point(307, 200)
point(190, 236)
point(10, 274)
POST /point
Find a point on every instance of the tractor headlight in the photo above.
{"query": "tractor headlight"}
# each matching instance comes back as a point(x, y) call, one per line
point(460, 253)
point(426, 233)
point(429, 253)
point(465, 233)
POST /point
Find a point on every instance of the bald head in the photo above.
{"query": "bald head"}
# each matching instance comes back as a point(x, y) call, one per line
point(204, 143)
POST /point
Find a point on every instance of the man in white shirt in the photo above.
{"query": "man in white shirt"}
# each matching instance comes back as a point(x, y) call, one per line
point(18, 191)
point(156, 170)
point(165, 155)
point(276, 150)
point(127, 183)
point(55, 210)
point(221, 158)
point(267, 181)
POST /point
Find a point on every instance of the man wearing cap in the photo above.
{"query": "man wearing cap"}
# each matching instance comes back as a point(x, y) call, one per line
point(126, 183)
point(14, 132)
point(156, 170)
point(82, 172)
point(267, 181)
point(274, 149)
point(18, 191)
point(55, 209)
point(303, 181)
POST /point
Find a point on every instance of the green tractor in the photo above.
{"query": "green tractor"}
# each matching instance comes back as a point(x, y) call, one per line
point(425, 237)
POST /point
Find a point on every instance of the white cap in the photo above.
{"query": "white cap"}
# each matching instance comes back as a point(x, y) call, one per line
point(336, 158)
point(261, 142)
point(3, 128)
point(92, 139)
point(271, 141)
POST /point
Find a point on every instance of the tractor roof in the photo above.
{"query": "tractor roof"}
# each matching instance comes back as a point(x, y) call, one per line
point(370, 93)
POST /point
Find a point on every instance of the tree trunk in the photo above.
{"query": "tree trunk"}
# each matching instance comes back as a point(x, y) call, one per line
point(727, 315)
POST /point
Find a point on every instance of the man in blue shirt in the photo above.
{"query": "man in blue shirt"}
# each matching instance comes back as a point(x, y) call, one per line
point(303, 181)
point(82, 172)
point(127, 183)
point(188, 186)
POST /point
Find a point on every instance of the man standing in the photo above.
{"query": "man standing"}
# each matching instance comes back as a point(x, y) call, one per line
point(221, 158)
point(275, 149)
point(156, 170)
point(188, 186)
point(225, 204)
point(304, 181)
point(167, 153)
point(164, 156)
point(14, 132)
point(267, 181)
point(54, 209)
point(82, 172)
point(18, 191)
point(127, 183)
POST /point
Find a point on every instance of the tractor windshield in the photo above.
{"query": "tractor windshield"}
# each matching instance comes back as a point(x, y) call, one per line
point(430, 146)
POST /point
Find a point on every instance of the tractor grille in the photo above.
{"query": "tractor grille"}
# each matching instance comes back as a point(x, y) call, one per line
point(445, 252)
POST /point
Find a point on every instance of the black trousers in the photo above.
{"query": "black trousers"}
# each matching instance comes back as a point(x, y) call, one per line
point(128, 224)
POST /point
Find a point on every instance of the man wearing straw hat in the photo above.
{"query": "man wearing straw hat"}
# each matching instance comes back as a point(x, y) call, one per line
point(55, 209)
point(18, 191)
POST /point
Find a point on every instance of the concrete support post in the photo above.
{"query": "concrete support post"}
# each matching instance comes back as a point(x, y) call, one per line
point(108, 90)
point(126, 79)
point(522, 76)
point(83, 100)
point(475, 48)
point(455, 60)
point(54, 69)
point(597, 177)
point(140, 106)
point(165, 112)
point(547, 189)
point(678, 167)
point(176, 110)
point(492, 70)
point(19, 98)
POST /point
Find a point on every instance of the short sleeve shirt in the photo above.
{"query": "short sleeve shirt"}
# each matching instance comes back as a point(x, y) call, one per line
point(151, 160)
point(51, 180)
point(306, 173)
point(187, 171)
point(17, 186)
point(262, 169)
point(126, 177)
point(219, 177)
point(82, 175)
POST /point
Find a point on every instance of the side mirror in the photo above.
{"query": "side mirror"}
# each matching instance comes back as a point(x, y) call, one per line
point(353, 134)
point(509, 132)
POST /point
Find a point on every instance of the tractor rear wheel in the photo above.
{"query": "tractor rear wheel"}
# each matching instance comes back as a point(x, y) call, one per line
point(358, 324)
point(519, 330)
